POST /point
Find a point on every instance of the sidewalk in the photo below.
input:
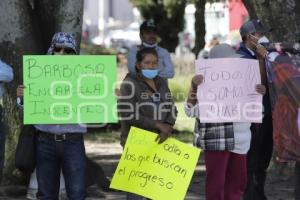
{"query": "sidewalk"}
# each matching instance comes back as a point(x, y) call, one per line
point(107, 155)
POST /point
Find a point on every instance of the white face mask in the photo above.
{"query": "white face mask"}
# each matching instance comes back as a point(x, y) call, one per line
point(149, 45)
point(263, 40)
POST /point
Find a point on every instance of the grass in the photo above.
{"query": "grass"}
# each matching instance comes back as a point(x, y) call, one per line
point(179, 87)
point(183, 125)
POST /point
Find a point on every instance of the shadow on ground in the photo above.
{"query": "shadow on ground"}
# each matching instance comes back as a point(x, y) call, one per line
point(107, 155)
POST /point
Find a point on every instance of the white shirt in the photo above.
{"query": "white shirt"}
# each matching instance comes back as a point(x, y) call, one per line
point(165, 66)
point(242, 133)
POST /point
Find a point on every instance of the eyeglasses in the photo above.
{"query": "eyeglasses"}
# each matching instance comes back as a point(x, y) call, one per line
point(66, 50)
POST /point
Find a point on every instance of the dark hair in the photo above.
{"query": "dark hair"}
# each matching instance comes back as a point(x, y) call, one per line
point(244, 38)
point(141, 54)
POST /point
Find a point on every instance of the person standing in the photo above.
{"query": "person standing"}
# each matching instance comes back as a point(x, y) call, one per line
point(225, 145)
point(145, 101)
point(60, 147)
point(148, 35)
point(260, 153)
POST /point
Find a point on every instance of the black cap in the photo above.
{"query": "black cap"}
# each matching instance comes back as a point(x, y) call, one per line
point(253, 26)
point(148, 25)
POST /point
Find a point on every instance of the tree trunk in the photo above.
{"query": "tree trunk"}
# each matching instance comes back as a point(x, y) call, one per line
point(199, 26)
point(282, 16)
point(251, 9)
point(59, 15)
point(171, 26)
point(26, 27)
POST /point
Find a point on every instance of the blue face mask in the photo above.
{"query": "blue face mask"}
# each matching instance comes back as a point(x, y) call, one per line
point(150, 73)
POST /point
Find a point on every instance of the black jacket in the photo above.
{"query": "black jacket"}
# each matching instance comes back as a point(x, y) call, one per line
point(137, 108)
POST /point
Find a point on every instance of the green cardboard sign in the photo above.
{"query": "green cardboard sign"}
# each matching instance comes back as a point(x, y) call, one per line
point(69, 89)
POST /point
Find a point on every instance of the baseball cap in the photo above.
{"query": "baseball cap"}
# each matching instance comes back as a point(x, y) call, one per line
point(253, 26)
point(148, 25)
point(223, 51)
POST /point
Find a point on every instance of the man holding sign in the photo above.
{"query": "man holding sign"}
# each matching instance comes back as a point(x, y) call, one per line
point(60, 146)
point(225, 141)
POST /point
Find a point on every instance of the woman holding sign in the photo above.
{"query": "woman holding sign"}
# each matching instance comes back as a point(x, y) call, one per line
point(225, 144)
point(145, 101)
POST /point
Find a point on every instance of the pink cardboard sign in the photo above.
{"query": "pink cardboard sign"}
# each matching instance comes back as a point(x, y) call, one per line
point(227, 93)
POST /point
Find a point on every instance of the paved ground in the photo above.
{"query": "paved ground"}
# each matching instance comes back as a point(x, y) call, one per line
point(107, 155)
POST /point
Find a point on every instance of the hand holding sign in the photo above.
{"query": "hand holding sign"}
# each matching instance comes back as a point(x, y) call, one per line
point(261, 89)
point(196, 81)
point(157, 171)
point(20, 91)
point(165, 131)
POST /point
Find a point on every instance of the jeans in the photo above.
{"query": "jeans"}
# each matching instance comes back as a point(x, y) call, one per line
point(54, 156)
point(258, 158)
point(33, 186)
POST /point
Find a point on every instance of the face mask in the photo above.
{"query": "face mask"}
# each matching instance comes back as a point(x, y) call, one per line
point(263, 40)
point(149, 45)
point(150, 73)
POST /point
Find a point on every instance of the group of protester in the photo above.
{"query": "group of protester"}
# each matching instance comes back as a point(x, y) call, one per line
point(237, 155)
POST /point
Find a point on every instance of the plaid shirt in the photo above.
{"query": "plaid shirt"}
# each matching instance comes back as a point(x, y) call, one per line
point(214, 136)
point(211, 136)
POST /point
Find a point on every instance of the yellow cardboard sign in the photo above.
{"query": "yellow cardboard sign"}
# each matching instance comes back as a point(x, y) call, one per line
point(156, 171)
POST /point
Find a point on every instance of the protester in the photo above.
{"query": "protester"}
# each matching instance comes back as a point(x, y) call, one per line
point(6, 75)
point(187, 41)
point(225, 145)
point(60, 147)
point(260, 153)
point(148, 35)
point(145, 101)
point(284, 81)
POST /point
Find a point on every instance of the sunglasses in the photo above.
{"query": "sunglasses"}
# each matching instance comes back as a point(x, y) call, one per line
point(65, 50)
